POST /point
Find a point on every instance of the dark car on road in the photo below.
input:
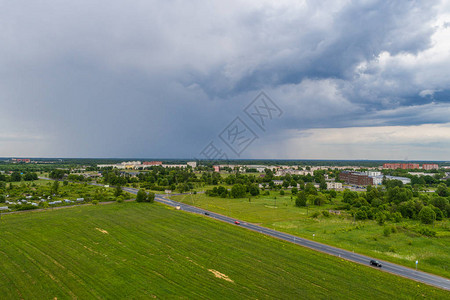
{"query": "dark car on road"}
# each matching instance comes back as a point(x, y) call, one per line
point(206, 213)
point(375, 263)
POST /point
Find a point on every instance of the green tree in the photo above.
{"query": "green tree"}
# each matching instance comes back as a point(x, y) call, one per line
point(150, 197)
point(294, 191)
point(310, 189)
point(55, 187)
point(118, 191)
point(238, 191)
point(29, 176)
point(323, 185)
point(57, 174)
point(439, 202)
point(333, 194)
point(360, 215)
point(427, 215)
point(320, 200)
point(349, 196)
point(253, 190)
point(438, 212)
point(16, 176)
point(301, 199)
point(141, 196)
point(442, 190)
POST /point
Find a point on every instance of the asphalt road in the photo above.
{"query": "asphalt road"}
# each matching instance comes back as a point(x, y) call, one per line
point(344, 254)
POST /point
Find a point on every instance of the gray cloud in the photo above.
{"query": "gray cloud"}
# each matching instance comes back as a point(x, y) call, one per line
point(163, 78)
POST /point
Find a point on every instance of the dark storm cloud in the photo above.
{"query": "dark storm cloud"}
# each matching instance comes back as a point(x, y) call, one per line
point(163, 78)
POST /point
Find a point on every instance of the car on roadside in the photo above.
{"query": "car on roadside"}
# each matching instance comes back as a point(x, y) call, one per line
point(237, 222)
point(206, 213)
point(375, 263)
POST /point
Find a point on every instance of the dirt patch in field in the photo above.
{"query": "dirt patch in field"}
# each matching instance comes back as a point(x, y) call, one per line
point(102, 230)
point(220, 275)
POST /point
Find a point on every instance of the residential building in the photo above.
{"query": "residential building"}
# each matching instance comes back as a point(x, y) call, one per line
point(377, 180)
point(193, 164)
point(173, 166)
point(405, 166)
point(21, 160)
point(356, 178)
point(152, 163)
point(430, 166)
point(332, 185)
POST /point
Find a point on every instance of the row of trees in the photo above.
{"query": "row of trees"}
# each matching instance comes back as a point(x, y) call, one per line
point(237, 191)
point(142, 196)
point(18, 176)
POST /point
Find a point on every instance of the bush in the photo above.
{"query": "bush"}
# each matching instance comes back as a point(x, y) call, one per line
point(315, 214)
point(282, 193)
point(387, 231)
point(396, 217)
point(360, 215)
point(119, 199)
point(381, 218)
point(426, 231)
point(95, 202)
point(326, 213)
point(25, 207)
point(319, 200)
point(150, 197)
point(394, 229)
point(427, 215)
point(345, 206)
point(141, 196)
point(439, 214)
point(301, 199)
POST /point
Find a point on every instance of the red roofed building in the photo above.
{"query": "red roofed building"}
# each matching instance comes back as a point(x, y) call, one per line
point(21, 160)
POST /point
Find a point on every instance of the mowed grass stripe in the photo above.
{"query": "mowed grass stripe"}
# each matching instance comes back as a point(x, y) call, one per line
point(133, 250)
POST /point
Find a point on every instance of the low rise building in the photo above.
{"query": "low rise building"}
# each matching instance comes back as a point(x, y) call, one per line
point(152, 163)
point(332, 185)
point(379, 179)
point(193, 164)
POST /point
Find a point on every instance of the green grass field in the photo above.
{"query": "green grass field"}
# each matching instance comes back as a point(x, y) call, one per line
point(367, 237)
point(132, 251)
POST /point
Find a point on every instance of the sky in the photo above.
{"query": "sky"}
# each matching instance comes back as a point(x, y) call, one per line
point(225, 79)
